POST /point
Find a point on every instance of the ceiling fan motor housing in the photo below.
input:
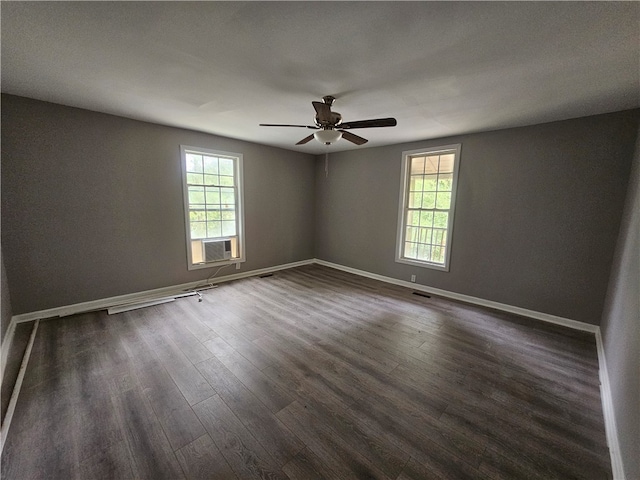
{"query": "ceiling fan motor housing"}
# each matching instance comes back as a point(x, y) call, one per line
point(334, 120)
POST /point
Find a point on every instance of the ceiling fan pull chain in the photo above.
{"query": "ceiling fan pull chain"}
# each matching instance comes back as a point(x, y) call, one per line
point(326, 163)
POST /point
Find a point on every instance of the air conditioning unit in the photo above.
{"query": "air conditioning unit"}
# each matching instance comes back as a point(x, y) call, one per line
point(216, 250)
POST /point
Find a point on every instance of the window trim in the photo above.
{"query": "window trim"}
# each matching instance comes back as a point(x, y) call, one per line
point(238, 173)
point(404, 201)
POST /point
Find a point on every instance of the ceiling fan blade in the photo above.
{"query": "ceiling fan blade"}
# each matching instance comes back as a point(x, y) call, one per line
point(354, 138)
point(305, 140)
point(323, 110)
point(285, 125)
point(377, 122)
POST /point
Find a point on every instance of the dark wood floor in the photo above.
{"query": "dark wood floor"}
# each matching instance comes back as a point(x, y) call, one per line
point(309, 373)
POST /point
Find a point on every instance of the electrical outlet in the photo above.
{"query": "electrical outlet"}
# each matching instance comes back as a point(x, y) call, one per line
point(413, 278)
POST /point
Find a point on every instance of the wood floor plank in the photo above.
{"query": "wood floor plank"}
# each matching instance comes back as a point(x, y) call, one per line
point(201, 460)
point(193, 321)
point(332, 450)
point(438, 466)
point(270, 394)
point(367, 441)
point(307, 466)
point(302, 383)
point(58, 460)
point(111, 463)
point(179, 422)
point(560, 457)
point(307, 361)
point(415, 431)
point(281, 444)
point(176, 327)
point(243, 452)
point(192, 385)
point(150, 451)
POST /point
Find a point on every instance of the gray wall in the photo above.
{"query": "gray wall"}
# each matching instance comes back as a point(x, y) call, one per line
point(537, 213)
point(5, 299)
point(621, 328)
point(92, 204)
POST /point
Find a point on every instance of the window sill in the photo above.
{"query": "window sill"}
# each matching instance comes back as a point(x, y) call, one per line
point(418, 263)
point(221, 263)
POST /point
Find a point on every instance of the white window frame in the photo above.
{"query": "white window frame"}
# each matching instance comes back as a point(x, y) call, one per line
point(239, 202)
point(404, 203)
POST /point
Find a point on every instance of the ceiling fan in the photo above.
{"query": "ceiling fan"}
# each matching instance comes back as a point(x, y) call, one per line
point(330, 127)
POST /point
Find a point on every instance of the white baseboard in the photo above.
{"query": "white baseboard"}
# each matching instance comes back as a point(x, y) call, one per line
point(609, 414)
point(7, 342)
point(147, 295)
point(6, 424)
point(567, 322)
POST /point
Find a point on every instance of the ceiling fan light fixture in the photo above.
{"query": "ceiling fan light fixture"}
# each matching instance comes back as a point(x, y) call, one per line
point(327, 137)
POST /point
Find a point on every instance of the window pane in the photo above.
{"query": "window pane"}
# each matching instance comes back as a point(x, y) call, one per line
point(198, 230)
point(226, 166)
point(228, 228)
point(228, 214)
point(410, 250)
point(431, 165)
point(227, 196)
point(425, 235)
point(226, 181)
point(430, 182)
point(194, 163)
point(424, 252)
point(415, 183)
point(443, 200)
point(446, 163)
point(213, 195)
point(194, 178)
point(196, 195)
point(437, 254)
point(426, 219)
point(415, 200)
point(413, 217)
point(211, 180)
point(213, 215)
point(443, 240)
point(429, 200)
point(211, 165)
point(445, 182)
point(417, 165)
point(438, 236)
point(412, 234)
point(440, 219)
point(214, 229)
point(197, 215)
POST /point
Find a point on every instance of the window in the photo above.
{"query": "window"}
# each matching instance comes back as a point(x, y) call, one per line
point(212, 184)
point(428, 191)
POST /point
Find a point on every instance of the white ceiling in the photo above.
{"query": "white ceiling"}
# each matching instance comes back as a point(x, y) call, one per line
point(440, 68)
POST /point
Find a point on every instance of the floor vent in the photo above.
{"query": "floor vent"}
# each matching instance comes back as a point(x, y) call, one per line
point(420, 294)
